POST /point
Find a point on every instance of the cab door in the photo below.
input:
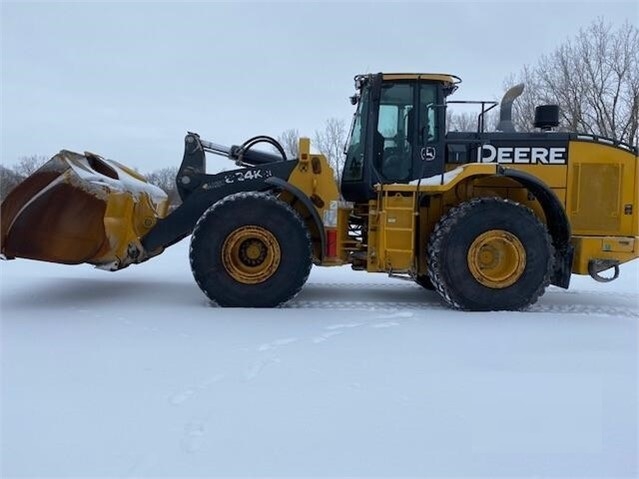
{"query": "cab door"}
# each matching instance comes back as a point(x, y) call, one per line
point(428, 146)
point(408, 141)
point(392, 152)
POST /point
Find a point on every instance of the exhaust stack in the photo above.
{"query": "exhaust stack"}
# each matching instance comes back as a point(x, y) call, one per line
point(506, 109)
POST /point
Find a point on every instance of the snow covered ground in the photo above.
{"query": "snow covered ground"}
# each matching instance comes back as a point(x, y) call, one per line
point(134, 373)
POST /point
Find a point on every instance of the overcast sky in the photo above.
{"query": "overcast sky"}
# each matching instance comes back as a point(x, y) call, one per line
point(127, 80)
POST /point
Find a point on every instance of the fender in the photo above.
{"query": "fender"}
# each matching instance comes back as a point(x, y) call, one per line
point(556, 219)
point(308, 204)
point(206, 191)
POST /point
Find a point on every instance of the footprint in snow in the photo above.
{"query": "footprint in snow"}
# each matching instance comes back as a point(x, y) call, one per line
point(343, 326)
point(388, 324)
point(256, 368)
point(325, 336)
point(181, 397)
point(400, 314)
point(142, 465)
point(193, 436)
point(211, 381)
point(276, 343)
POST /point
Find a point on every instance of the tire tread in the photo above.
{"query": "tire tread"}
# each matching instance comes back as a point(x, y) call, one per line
point(454, 217)
point(233, 201)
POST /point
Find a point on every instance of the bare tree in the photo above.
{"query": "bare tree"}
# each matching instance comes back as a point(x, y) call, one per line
point(29, 164)
point(468, 120)
point(8, 180)
point(289, 140)
point(11, 176)
point(330, 142)
point(461, 121)
point(165, 179)
point(594, 77)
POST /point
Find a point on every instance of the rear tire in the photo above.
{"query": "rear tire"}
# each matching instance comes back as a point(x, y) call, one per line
point(250, 250)
point(490, 254)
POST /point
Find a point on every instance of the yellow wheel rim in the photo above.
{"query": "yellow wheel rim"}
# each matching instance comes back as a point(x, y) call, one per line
point(251, 254)
point(497, 259)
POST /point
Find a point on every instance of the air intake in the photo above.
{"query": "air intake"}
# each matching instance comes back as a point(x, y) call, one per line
point(546, 117)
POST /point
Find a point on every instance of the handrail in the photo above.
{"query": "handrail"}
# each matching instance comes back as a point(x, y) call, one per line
point(606, 140)
point(480, 118)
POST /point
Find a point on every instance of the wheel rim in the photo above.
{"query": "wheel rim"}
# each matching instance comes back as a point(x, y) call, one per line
point(497, 259)
point(251, 254)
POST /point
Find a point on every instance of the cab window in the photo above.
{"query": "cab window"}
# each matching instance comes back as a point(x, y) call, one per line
point(354, 163)
point(428, 112)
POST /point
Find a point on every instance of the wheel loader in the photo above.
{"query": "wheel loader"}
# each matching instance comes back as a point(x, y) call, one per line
point(486, 219)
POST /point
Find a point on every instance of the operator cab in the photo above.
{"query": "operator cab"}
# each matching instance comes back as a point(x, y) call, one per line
point(398, 130)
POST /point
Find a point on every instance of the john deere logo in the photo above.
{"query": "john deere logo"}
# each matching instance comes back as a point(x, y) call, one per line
point(522, 155)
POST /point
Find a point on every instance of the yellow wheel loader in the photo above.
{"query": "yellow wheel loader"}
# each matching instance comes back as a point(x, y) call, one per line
point(487, 219)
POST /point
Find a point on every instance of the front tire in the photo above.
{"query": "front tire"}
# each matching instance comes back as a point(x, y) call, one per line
point(250, 250)
point(424, 281)
point(490, 254)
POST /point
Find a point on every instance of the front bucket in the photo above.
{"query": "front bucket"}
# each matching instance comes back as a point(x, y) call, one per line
point(81, 209)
